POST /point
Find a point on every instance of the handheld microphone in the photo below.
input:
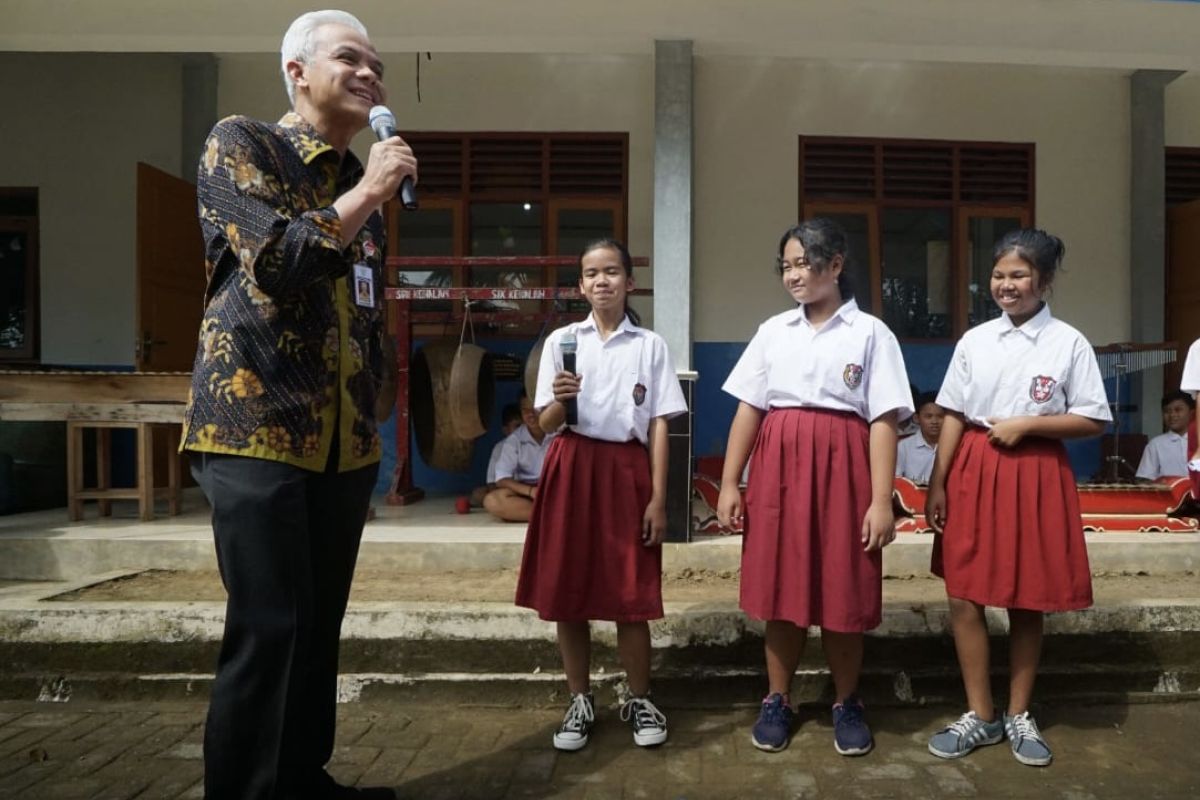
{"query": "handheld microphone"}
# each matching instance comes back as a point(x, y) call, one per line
point(568, 346)
point(384, 125)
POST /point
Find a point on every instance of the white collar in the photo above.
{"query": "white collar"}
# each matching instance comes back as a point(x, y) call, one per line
point(847, 312)
point(589, 324)
point(1032, 327)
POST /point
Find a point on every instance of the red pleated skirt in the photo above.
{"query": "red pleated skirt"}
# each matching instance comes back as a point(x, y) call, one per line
point(1191, 448)
point(1013, 536)
point(808, 492)
point(584, 558)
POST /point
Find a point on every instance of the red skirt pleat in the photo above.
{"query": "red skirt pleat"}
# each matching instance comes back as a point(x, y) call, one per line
point(1191, 448)
point(584, 558)
point(808, 491)
point(1013, 536)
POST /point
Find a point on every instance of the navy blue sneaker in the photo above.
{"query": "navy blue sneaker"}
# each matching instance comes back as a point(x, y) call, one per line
point(851, 736)
point(773, 730)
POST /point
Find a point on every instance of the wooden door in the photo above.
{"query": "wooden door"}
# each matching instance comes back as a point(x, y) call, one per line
point(170, 272)
point(1183, 284)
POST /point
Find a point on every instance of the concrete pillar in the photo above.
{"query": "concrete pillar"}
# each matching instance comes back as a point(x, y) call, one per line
point(199, 109)
point(673, 198)
point(1147, 227)
point(673, 258)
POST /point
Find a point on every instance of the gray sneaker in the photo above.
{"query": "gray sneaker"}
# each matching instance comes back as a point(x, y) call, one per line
point(964, 735)
point(1028, 746)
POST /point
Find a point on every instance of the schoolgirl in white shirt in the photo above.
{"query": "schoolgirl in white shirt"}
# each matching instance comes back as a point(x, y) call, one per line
point(821, 388)
point(1190, 383)
point(593, 549)
point(1002, 494)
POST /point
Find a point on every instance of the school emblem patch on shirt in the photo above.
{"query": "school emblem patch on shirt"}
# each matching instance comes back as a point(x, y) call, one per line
point(852, 375)
point(1041, 388)
point(639, 394)
point(369, 248)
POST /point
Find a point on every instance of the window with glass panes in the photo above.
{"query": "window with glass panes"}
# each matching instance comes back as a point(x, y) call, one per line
point(921, 218)
point(511, 194)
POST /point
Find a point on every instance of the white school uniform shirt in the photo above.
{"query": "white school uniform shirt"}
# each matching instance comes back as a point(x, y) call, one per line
point(852, 363)
point(626, 381)
point(495, 457)
point(1164, 456)
point(914, 458)
point(521, 456)
point(1043, 368)
point(1190, 382)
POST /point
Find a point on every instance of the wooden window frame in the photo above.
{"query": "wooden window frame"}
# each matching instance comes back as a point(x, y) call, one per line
point(960, 211)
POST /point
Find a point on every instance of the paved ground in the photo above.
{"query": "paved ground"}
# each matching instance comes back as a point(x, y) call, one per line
point(118, 751)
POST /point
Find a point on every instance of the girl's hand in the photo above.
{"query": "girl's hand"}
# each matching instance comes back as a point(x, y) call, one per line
point(879, 526)
point(1007, 432)
point(935, 507)
point(729, 508)
point(654, 523)
point(566, 386)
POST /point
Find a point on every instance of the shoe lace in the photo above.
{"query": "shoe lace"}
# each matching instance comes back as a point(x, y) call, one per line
point(963, 725)
point(773, 709)
point(1024, 727)
point(852, 713)
point(644, 713)
point(579, 714)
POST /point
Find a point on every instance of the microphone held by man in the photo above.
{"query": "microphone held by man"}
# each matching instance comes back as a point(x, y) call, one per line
point(383, 122)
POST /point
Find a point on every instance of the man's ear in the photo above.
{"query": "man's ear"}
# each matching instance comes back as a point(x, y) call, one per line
point(295, 70)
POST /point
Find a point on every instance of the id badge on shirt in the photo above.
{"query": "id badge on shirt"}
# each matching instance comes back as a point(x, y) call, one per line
point(364, 285)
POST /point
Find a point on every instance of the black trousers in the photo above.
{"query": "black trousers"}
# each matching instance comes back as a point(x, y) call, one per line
point(287, 540)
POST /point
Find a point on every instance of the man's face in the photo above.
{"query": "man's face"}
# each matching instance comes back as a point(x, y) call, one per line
point(1176, 416)
point(929, 418)
point(344, 77)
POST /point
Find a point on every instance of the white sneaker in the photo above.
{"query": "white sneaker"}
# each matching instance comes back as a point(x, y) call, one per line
point(573, 733)
point(649, 724)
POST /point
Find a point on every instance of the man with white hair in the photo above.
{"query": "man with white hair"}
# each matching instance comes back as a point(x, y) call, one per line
point(280, 423)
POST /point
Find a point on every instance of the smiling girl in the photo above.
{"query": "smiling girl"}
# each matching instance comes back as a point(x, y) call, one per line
point(821, 388)
point(1002, 494)
point(594, 546)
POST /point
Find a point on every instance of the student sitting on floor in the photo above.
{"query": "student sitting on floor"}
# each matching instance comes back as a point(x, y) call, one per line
point(518, 468)
point(510, 420)
point(1166, 455)
point(914, 454)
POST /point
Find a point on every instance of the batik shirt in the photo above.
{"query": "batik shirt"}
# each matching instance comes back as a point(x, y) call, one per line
point(286, 356)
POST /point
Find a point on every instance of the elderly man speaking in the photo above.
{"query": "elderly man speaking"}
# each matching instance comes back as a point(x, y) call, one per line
point(280, 422)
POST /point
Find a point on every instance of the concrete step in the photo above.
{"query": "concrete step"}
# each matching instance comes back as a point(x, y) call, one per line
point(430, 537)
point(1132, 645)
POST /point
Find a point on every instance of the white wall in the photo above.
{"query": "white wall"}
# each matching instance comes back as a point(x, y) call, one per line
point(75, 127)
point(749, 113)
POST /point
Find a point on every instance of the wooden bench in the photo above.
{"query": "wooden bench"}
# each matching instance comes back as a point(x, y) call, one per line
point(150, 404)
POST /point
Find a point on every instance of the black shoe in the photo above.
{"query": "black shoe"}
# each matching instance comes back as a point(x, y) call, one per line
point(324, 787)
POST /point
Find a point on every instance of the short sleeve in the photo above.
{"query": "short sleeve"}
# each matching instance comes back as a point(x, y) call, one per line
point(952, 395)
point(548, 367)
point(668, 400)
point(1148, 467)
point(1190, 380)
point(748, 379)
point(1085, 390)
point(506, 464)
point(887, 383)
